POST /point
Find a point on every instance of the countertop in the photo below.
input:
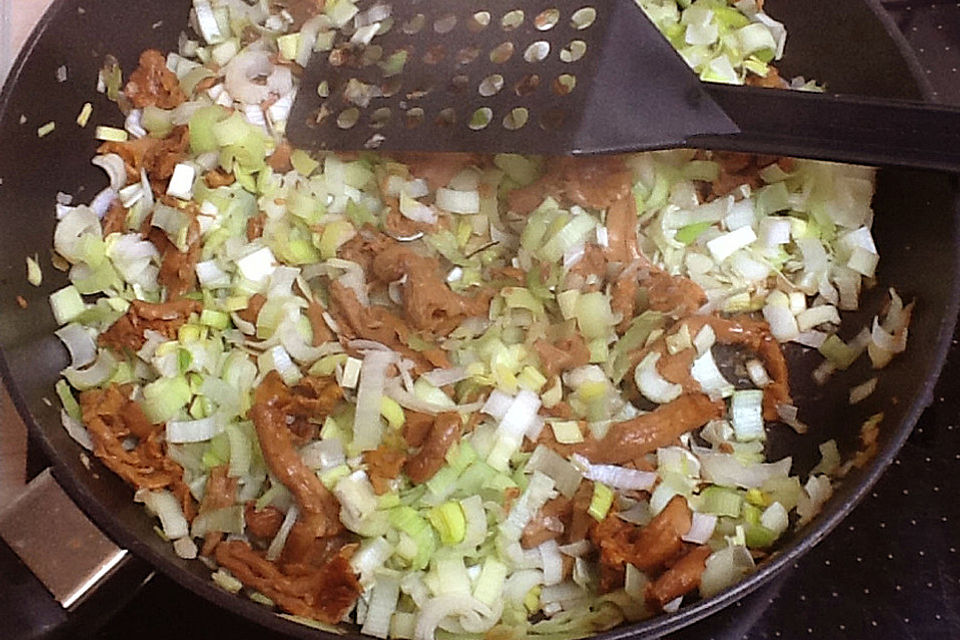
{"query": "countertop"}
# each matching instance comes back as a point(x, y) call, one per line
point(890, 571)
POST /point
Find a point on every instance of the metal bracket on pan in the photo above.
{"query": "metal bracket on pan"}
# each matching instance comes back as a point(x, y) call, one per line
point(62, 548)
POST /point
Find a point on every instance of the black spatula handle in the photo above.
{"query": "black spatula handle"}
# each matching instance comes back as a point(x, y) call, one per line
point(842, 128)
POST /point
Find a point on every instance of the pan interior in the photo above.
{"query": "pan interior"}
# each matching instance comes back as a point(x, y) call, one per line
point(915, 228)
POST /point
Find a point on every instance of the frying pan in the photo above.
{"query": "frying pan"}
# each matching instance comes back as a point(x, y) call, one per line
point(850, 45)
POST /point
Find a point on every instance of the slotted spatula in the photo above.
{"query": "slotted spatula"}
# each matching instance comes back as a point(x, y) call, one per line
point(575, 77)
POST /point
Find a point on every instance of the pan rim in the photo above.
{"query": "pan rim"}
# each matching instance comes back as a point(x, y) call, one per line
point(838, 508)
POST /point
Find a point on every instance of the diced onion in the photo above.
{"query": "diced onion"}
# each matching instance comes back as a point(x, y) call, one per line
point(705, 371)
point(78, 341)
point(566, 476)
point(615, 477)
point(701, 529)
point(76, 430)
point(758, 373)
point(725, 568)
point(862, 391)
point(746, 409)
point(726, 470)
point(368, 428)
point(443, 377)
point(462, 606)
point(324, 454)
point(651, 384)
point(115, 169)
point(166, 507)
point(179, 432)
point(383, 603)
point(788, 414)
point(552, 562)
point(775, 518)
point(458, 201)
point(280, 540)
point(815, 493)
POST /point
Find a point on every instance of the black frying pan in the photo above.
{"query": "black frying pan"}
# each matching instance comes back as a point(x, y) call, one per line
point(850, 45)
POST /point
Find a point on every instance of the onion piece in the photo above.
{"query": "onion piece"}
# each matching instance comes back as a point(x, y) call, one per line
point(862, 391)
point(76, 430)
point(436, 609)
point(815, 493)
point(566, 475)
point(552, 562)
point(701, 529)
point(368, 429)
point(72, 228)
point(184, 431)
point(705, 371)
point(443, 377)
point(78, 341)
point(165, 506)
point(651, 384)
point(114, 167)
point(249, 65)
point(788, 415)
point(725, 568)
point(726, 470)
point(497, 404)
point(280, 540)
point(615, 477)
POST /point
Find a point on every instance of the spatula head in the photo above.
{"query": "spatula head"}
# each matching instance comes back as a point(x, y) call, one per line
point(543, 76)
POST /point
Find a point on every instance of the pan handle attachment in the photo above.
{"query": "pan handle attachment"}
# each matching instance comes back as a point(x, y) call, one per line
point(52, 560)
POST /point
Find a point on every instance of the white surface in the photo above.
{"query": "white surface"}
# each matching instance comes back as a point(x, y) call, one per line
point(17, 18)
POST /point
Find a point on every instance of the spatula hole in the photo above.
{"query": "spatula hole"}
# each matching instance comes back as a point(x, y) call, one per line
point(583, 18)
point(414, 25)
point(393, 64)
point(421, 88)
point(516, 119)
point(512, 20)
point(527, 85)
point(553, 119)
point(385, 27)
point(337, 58)
point(564, 84)
point(371, 54)
point(479, 21)
point(467, 55)
point(447, 117)
point(573, 51)
point(348, 118)
point(374, 141)
point(502, 53)
point(413, 118)
point(537, 52)
point(481, 118)
point(445, 23)
point(491, 85)
point(459, 83)
point(390, 87)
point(547, 20)
point(380, 118)
point(434, 54)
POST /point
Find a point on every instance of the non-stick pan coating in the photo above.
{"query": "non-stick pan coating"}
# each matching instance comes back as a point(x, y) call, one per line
point(916, 231)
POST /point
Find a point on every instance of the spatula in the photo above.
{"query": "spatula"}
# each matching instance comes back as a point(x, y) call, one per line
point(575, 77)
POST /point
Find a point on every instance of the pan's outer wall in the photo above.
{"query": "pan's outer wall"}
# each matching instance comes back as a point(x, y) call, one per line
point(916, 230)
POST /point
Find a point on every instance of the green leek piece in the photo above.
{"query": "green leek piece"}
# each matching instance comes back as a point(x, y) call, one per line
point(601, 502)
point(720, 501)
point(449, 521)
point(163, 398)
